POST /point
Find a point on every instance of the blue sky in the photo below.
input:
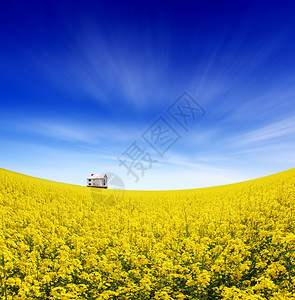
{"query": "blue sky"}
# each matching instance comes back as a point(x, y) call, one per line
point(81, 81)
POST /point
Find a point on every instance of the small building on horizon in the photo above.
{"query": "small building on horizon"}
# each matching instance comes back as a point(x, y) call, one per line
point(98, 181)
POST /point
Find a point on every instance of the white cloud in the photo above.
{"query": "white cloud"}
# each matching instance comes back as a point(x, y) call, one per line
point(87, 133)
point(275, 130)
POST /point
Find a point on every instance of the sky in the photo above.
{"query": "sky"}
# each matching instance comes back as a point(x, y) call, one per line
point(163, 94)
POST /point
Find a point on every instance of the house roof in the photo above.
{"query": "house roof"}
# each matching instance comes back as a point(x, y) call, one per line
point(97, 176)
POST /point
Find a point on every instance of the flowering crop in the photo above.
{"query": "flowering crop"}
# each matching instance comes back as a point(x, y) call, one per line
point(60, 241)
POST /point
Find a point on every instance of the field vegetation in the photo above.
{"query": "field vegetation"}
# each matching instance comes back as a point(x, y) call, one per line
point(60, 241)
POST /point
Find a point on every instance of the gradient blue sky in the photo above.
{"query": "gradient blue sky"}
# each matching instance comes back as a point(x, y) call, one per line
point(82, 80)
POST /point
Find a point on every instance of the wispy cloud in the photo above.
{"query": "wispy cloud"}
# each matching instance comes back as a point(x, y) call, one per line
point(268, 132)
point(68, 130)
point(100, 69)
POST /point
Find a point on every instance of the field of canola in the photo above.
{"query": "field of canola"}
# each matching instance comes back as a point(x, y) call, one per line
point(60, 241)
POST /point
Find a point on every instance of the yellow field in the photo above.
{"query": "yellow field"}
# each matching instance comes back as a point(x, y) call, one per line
point(59, 241)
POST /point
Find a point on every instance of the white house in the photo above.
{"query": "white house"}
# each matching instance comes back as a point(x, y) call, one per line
point(98, 181)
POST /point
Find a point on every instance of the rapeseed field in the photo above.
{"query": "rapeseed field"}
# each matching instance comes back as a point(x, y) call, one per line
point(60, 241)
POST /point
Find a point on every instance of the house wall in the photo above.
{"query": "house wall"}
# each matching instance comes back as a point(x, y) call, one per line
point(97, 183)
